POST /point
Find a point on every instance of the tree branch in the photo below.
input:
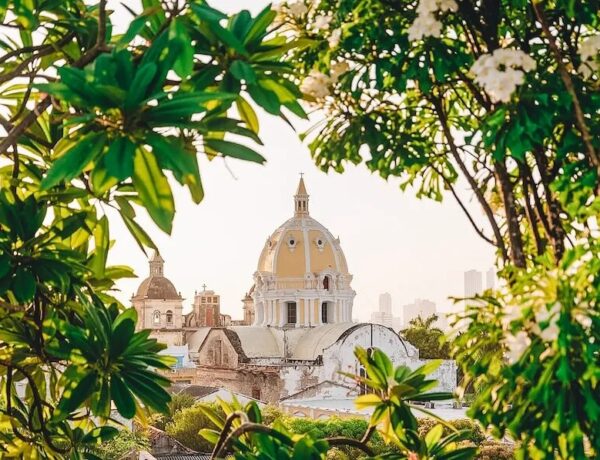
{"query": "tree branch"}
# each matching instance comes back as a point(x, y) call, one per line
point(463, 207)
point(568, 82)
point(455, 154)
point(41, 106)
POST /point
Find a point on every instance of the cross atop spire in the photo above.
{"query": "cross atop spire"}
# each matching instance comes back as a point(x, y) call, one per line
point(301, 199)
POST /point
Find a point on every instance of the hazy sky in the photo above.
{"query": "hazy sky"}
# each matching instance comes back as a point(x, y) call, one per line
point(393, 242)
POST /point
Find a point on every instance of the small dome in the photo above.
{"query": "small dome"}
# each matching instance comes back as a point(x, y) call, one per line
point(157, 287)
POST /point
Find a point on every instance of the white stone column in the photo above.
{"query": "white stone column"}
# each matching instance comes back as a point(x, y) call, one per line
point(282, 312)
point(306, 312)
point(318, 318)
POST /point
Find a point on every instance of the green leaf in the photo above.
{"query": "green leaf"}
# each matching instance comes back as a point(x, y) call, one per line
point(434, 435)
point(171, 155)
point(184, 63)
point(139, 234)
point(153, 189)
point(23, 285)
point(101, 240)
point(139, 86)
point(74, 395)
point(231, 149)
point(267, 99)
point(119, 158)
point(81, 153)
point(368, 400)
point(258, 29)
point(225, 35)
point(243, 71)
point(122, 397)
point(247, 114)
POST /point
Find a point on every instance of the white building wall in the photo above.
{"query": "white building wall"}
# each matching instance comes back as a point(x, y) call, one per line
point(339, 357)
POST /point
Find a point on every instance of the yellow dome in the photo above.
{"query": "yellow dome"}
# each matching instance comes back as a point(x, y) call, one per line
point(301, 245)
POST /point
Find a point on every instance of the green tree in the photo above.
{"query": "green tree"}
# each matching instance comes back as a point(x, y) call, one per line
point(122, 444)
point(187, 423)
point(501, 96)
point(97, 123)
point(428, 339)
point(178, 403)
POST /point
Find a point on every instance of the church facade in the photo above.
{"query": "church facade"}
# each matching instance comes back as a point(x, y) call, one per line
point(298, 330)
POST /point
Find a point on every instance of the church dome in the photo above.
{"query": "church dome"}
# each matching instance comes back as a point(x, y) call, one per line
point(301, 245)
point(157, 286)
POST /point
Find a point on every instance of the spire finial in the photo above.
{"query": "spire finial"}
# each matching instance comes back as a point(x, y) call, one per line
point(301, 199)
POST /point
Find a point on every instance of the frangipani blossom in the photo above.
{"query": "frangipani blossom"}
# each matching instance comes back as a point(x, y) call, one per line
point(588, 51)
point(426, 23)
point(501, 72)
point(316, 84)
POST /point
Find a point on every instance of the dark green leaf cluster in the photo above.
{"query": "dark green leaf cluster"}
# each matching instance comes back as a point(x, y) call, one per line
point(95, 120)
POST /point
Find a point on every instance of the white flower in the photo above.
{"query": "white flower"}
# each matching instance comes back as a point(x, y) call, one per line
point(589, 48)
point(547, 317)
point(334, 38)
point(516, 345)
point(584, 320)
point(337, 69)
point(426, 23)
point(321, 22)
point(511, 313)
point(316, 84)
point(297, 9)
point(502, 71)
point(278, 7)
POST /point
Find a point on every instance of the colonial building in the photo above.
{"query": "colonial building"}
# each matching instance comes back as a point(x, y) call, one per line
point(301, 332)
point(159, 305)
point(206, 310)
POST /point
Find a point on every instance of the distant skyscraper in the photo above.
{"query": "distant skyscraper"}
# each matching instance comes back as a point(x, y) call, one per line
point(490, 278)
point(473, 279)
point(385, 303)
point(422, 307)
point(384, 315)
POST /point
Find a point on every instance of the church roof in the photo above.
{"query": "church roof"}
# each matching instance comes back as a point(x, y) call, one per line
point(315, 340)
point(157, 287)
point(257, 341)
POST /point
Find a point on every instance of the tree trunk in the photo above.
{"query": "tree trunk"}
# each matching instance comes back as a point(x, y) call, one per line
point(517, 255)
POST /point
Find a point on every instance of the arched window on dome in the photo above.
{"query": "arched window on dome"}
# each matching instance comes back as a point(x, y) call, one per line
point(169, 316)
point(156, 318)
point(326, 282)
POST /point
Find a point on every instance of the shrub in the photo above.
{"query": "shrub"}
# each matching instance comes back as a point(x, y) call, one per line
point(494, 450)
point(123, 443)
point(187, 423)
point(178, 403)
point(476, 434)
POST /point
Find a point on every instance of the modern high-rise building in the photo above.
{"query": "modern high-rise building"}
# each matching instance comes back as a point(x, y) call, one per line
point(473, 283)
point(384, 315)
point(385, 303)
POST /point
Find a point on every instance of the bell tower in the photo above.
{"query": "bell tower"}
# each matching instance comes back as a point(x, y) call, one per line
point(301, 199)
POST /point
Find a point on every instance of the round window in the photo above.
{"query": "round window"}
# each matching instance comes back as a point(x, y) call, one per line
point(292, 242)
